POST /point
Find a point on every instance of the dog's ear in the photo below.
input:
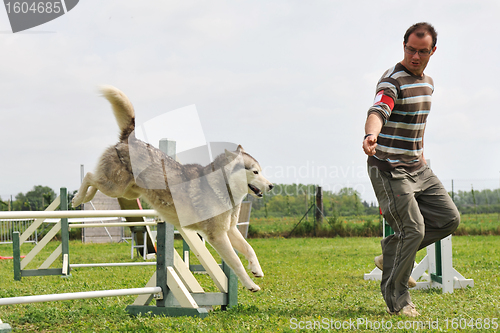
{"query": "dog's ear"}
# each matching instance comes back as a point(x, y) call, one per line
point(240, 149)
point(231, 155)
point(235, 163)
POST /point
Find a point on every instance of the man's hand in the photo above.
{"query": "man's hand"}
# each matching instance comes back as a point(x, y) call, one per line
point(369, 144)
point(373, 126)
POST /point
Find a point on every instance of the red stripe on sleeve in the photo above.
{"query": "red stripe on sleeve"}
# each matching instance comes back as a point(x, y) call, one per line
point(381, 98)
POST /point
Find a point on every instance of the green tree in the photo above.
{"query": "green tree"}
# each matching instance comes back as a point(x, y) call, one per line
point(291, 200)
point(36, 199)
point(3, 205)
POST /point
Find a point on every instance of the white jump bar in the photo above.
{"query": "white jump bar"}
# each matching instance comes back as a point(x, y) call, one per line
point(79, 295)
point(113, 264)
point(77, 213)
point(111, 224)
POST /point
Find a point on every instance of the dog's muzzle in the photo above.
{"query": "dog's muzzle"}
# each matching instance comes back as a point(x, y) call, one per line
point(255, 190)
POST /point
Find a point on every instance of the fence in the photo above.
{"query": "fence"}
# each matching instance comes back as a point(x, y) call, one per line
point(8, 226)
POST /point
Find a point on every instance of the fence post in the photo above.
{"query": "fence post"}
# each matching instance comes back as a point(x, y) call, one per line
point(162, 261)
point(63, 205)
point(232, 287)
point(165, 235)
point(17, 255)
point(168, 147)
point(438, 275)
point(319, 206)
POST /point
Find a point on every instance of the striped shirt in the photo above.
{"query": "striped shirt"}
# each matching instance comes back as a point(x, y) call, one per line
point(403, 101)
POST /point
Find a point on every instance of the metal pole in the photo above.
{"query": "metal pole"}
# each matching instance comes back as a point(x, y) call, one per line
point(452, 191)
point(79, 295)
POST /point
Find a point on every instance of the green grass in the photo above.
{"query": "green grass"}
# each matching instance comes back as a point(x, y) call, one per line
point(360, 226)
point(479, 224)
point(282, 226)
point(307, 280)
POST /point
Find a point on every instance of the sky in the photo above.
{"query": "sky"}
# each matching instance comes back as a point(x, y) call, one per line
point(291, 81)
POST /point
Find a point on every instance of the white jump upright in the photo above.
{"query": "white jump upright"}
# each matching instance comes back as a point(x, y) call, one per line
point(438, 263)
point(436, 268)
point(4, 327)
point(62, 250)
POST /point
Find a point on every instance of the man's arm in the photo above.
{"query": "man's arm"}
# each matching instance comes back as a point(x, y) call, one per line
point(379, 113)
point(373, 126)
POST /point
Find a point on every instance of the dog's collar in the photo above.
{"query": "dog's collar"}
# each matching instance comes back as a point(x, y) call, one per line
point(228, 189)
point(226, 180)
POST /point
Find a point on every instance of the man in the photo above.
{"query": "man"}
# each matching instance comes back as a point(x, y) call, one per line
point(412, 199)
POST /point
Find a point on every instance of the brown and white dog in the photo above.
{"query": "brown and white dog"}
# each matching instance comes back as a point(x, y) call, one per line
point(170, 187)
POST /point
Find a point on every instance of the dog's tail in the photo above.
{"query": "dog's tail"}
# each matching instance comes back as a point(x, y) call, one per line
point(123, 110)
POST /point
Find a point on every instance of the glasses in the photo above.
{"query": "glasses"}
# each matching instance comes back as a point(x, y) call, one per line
point(412, 51)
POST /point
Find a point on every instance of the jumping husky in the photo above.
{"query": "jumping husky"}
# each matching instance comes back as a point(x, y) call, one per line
point(115, 177)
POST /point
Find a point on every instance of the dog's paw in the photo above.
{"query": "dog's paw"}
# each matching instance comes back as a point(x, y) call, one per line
point(255, 288)
point(76, 201)
point(254, 267)
point(258, 274)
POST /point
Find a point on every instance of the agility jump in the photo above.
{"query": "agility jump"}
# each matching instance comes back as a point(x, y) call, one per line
point(436, 268)
point(173, 285)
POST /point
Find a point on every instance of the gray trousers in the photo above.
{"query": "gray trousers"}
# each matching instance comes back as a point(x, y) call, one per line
point(419, 210)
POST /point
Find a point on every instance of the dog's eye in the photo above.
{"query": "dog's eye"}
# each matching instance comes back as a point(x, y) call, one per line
point(256, 172)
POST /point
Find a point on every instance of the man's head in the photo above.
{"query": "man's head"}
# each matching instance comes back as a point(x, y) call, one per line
point(419, 45)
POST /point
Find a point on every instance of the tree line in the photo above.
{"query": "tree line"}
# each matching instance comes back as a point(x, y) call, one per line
point(478, 202)
point(288, 200)
point(296, 199)
point(37, 199)
point(284, 200)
